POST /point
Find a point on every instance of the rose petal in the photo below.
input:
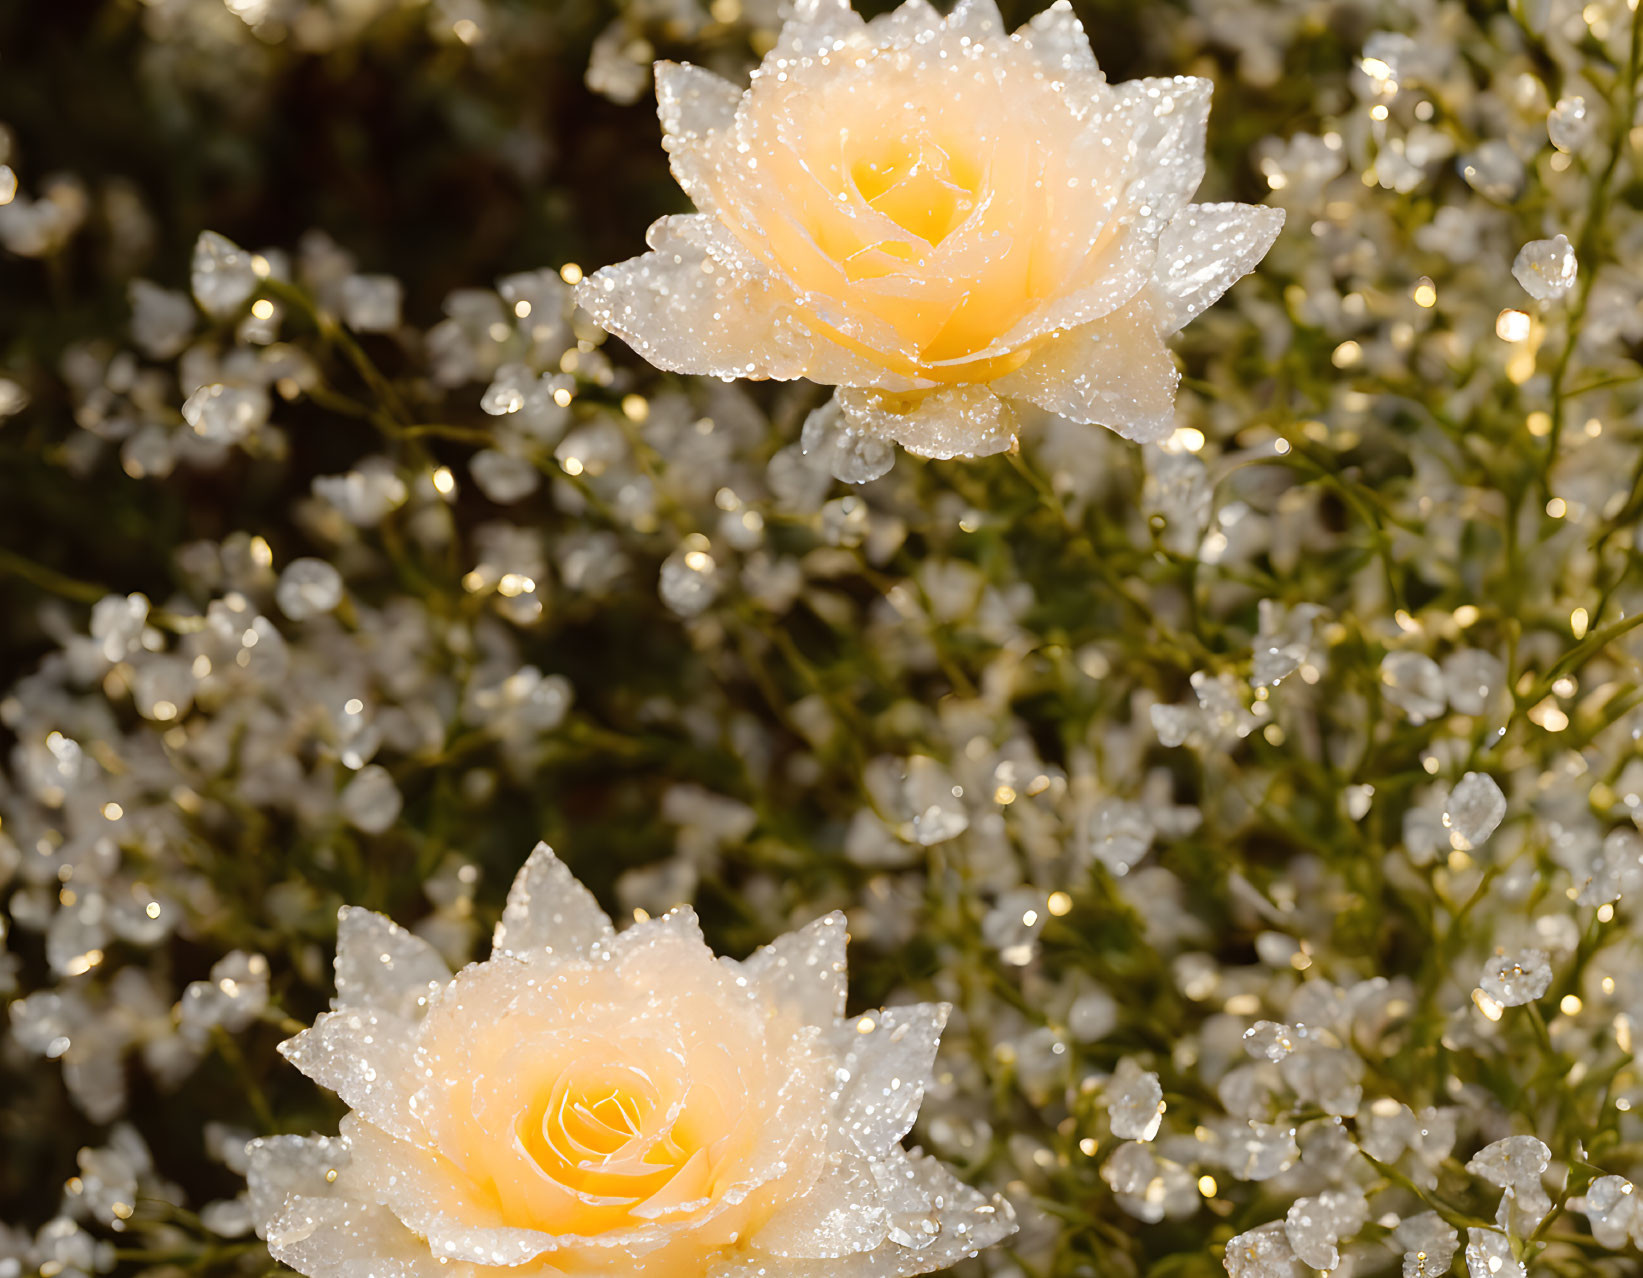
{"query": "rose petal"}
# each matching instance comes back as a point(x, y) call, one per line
point(962, 1222)
point(1203, 252)
point(678, 933)
point(977, 19)
point(776, 1147)
point(686, 312)
point(693, 104)
point(1171, 117)
point(967, 1221)
point(796, 207)
point(904, 24)
point(840, 1216)
point(432, 1198)
point(344, 1238)
point(885, 1062)
point(813, 352)
point(756, 1265)
point(1114, 285)
point(460, 1221)
point(816, 27)
point(691, 101)
point(686, 1193)
point(955, 421)
point(365, 1056)
point(1056, 37)
point(907, 1203)
point(280, 1166)
point(381, 965)
point(549, 911)
point(1116, 372)
point(805, 971)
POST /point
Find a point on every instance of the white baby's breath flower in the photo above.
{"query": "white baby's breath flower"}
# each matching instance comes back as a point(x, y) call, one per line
point(938, 218)
point(588, 1103)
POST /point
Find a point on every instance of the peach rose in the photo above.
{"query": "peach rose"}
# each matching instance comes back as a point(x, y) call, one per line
point(937, 218)
point(586, 1103)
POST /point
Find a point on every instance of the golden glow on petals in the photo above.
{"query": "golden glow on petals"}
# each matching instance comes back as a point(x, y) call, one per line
point(593, 1103)
point(914, 203)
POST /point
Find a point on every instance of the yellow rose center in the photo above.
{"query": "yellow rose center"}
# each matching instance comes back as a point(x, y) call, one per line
point(600, 1124)
point(916, 184)
point(606, 1132)
point(575, 1102)
point(921, 202)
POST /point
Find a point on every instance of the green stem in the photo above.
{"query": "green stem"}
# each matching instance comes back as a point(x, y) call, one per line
point(49, 579)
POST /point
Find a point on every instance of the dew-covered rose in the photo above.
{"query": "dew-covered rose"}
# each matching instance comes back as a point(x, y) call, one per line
point(937, 218)
point(586, 1103)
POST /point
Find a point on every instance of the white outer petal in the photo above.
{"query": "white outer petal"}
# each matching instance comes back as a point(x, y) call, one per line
point(968, 1220)
point(379, 964)
point(693, 105)
point(365, 1056)
point(550, 912)
point(816, 27)
point(978, 19)
point(691, 101)
point(841, 1215)
point(956, 421)
point(686, 311)
point(755, 1265)
point(1205, 250)
point(801, 350)
point(679, 924)
point(280, 1166)
point(902, 1190)
point(904, 24)
point(805, 970)
point(344, 1238)
point(1057, 38)
point(1171, 115)
point(1116, 373)
point(883, 1071)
